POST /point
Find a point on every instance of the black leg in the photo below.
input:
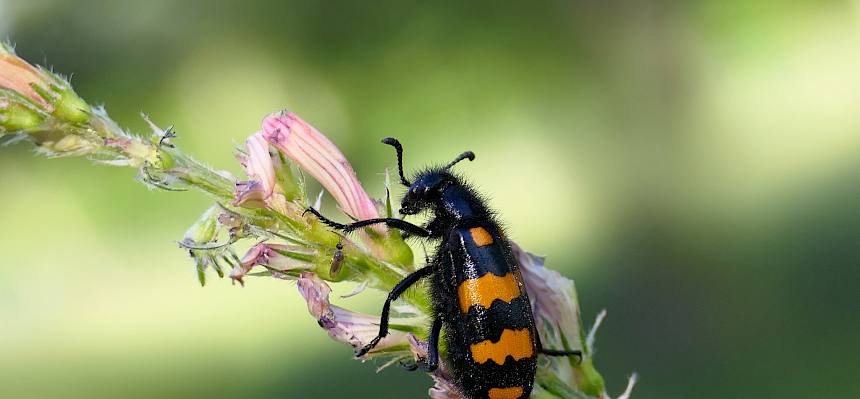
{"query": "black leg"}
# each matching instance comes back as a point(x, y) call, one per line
point(431, 363)
point(399, 289)
point(390, 222)
point(556, 352)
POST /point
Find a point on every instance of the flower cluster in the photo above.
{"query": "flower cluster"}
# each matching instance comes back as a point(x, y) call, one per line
point(265, 210)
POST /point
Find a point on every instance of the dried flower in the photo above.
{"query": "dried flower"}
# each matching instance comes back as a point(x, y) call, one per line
point(317, 155)
point(553, 297)
point(556, 311)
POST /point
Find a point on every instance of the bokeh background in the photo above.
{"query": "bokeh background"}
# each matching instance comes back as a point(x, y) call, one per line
point(693, 165)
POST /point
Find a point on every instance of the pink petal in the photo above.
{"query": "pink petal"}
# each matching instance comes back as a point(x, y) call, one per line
point(317, 155)
point(258, 164)
point(17, 75)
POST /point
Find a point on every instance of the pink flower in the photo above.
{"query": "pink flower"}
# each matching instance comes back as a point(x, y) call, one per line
point(19, 76)
point(355, 329)
point(258, 163)
point(317, 155)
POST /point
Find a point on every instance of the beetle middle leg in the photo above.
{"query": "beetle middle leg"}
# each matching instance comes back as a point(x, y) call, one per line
point(398, 289)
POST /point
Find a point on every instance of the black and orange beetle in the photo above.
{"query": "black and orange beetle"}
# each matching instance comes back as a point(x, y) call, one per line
point(477, 291)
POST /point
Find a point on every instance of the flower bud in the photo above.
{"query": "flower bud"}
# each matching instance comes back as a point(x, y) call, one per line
point(204, 231)
point(70, 107)
point(44, 89)
point(18, 76)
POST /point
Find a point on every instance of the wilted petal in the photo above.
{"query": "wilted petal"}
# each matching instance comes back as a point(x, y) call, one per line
point(444, 387)
point(272, 256)
point(355, 329)
point(317, 155)
point(554, 301)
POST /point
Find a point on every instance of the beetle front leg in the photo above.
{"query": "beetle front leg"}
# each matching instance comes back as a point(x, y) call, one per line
point(393, 223)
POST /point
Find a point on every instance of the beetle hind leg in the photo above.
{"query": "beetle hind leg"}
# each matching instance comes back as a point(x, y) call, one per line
point(557, 352)
point(431, 362)
point(554, 352)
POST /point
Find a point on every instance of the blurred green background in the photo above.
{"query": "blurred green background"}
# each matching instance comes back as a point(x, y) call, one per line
point(693, 165)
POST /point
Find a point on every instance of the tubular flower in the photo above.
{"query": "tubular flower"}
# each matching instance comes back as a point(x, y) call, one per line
point(317, 155)
point(263, 190)
point(355, 329)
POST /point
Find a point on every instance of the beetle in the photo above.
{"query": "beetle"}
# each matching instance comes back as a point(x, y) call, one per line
point(478, 294)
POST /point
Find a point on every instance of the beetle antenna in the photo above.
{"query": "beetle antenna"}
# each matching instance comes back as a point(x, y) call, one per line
point(466, 155)
point(396, 144)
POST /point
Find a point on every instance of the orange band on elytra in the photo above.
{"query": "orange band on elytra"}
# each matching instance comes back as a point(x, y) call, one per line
point(486, 289)
point(515, 343)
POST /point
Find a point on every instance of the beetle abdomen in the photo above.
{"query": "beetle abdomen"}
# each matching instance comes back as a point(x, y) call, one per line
point(491, 334)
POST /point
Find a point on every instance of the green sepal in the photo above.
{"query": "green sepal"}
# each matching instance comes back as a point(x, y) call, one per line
point(17, 116)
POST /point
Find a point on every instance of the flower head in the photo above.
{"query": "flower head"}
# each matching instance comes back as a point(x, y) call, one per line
point(317, 155)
